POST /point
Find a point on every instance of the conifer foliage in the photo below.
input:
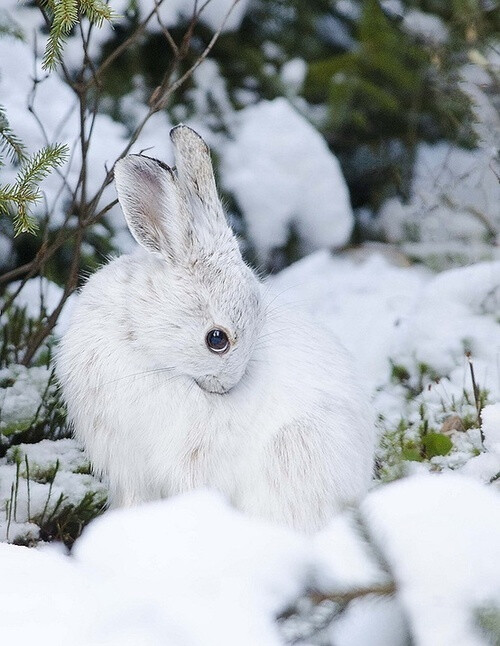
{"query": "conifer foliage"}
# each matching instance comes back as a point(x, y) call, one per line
point(20, 196)
point(63, 16)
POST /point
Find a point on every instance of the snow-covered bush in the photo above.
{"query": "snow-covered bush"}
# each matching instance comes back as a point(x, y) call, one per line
point(285, 180)
point(452, 214)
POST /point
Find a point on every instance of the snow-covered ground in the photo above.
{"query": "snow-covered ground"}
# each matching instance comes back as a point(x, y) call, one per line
point(192, 571)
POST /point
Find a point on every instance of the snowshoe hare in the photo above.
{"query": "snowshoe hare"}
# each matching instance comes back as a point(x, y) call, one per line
point(178, 374)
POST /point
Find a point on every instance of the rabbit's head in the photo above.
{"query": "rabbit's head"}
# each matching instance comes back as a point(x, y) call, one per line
point(199, 314)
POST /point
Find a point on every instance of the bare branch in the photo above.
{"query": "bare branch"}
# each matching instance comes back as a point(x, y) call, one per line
point(162, 93)
point(383, 590)
point(116, 53)
point(165, 31)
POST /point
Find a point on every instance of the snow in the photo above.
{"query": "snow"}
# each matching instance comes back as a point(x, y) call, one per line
point(210, 90)
point(483, 467)
point(283, 175)
point(392, 8)
point(430, 28)
point(213, 13)
point(348, 8)
point(188, 571)
point(439, 535)
point(45, 454)
point(490, 416)
point(355, 568)
point(193, 571)
point(293, 74)
point(373, 622)
point(335, 33)
point(363, 303)
point(457, 309)
point(20, 401)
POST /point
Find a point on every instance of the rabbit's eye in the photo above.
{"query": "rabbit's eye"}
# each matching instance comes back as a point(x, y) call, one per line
point(217, 341)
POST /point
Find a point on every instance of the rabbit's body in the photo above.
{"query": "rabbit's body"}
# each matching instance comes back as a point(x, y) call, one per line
point(277, 423)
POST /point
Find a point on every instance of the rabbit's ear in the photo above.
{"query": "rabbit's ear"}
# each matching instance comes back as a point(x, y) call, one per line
point(196, 177)
point(153, 206)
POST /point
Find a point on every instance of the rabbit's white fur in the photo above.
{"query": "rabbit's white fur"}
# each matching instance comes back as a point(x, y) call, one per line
point(278, 423)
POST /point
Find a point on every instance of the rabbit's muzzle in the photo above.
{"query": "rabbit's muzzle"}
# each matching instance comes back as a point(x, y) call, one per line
point(211, 384)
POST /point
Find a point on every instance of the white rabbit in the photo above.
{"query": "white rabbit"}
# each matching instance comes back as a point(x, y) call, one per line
point(177, 373)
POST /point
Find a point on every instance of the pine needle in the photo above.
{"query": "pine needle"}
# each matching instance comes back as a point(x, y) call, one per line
point(65, 15)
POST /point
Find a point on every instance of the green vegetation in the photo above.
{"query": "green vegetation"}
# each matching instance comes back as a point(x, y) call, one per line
point(63, 16)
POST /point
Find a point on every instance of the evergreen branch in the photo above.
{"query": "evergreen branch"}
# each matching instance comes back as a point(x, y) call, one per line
point(39, 165)
point(24, 193)
point(23, 221)
point(65, 15)
point(64, 18)
point(97, 12)
point(10, 144)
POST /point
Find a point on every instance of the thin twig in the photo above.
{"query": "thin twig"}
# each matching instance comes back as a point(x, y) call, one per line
point(383, 590)
point(42, 333)
point(476, 393)
point(165, 31)
point(161, 95)
point(479, 215)
point(116, 53)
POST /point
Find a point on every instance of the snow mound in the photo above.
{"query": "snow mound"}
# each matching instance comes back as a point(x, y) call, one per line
point(430, 28)
point(436, 538)
point(363, 303)
point(283, 176)
point(457, 312)
point(191, 571)
point(439, 535)
point(185, 572)
point(381, 311)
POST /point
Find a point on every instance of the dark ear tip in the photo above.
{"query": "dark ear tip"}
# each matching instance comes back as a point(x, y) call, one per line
point(139, 161)
point(184, 135)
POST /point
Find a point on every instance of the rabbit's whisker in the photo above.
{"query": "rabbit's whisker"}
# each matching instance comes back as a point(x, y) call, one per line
point(274, 332)
point(282, 308)
point(140, 374)
point(274, 296)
